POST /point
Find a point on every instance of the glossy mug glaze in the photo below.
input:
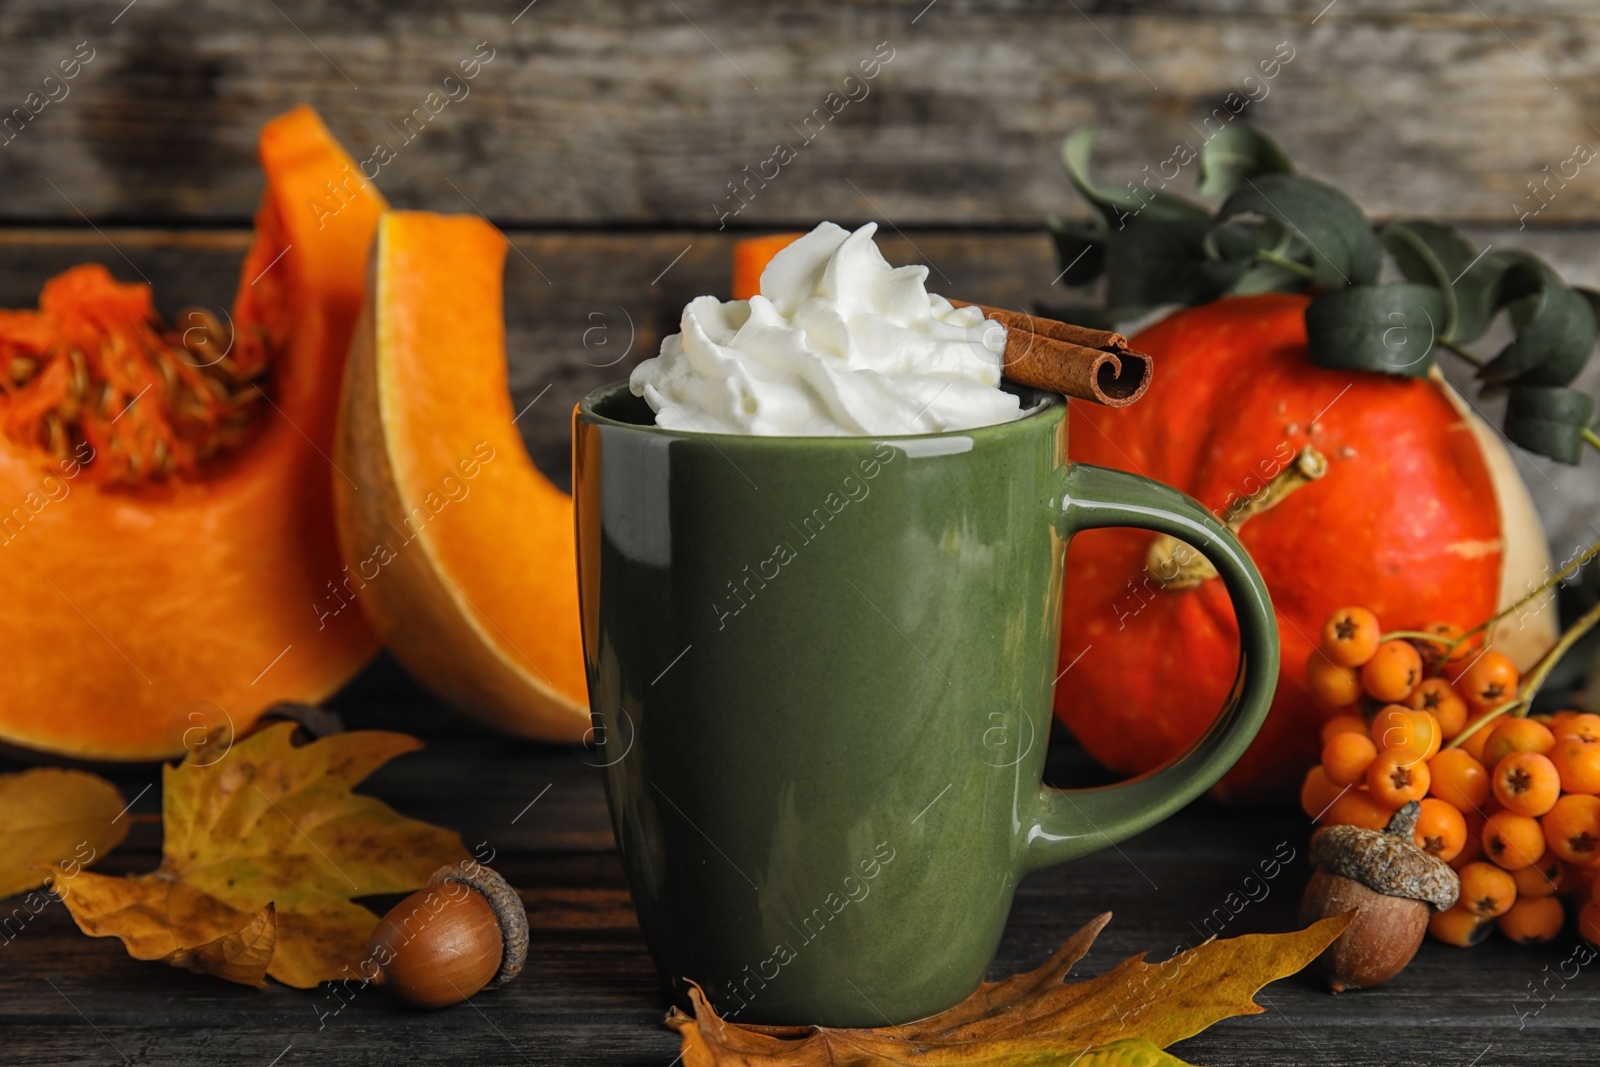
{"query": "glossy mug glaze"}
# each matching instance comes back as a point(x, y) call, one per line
point(821, 671)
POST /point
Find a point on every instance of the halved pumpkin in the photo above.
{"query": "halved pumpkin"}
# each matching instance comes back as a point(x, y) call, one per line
point(463, 550)
point(168, 545)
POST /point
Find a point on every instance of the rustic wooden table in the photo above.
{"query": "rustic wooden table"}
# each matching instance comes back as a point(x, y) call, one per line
point(589, 995)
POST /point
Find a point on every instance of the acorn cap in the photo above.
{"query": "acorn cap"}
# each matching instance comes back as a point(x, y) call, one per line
point(508, 909)
point(1387, 861)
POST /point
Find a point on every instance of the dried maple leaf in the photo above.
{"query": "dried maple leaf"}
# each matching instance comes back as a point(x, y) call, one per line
point(263, 852)
point(242, 956)
point(54, 816)
point(1123, 1017)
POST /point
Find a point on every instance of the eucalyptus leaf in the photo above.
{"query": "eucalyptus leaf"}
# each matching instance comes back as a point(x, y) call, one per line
point(1554, 324)
point(1111, 203)
point(1119, 207)
point(1281, 262)
point(1159, 258)
point(1344, 249)
point(1235, 153)
point(1594, 305)
point(1386, 329)
point(1230, 240)
point(1432, 252)
point(1080, 248)
point(1549, 420)
point(1268, 278)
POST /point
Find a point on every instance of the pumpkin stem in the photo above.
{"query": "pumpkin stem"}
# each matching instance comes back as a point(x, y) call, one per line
point(1176, 565)
point(95, 378)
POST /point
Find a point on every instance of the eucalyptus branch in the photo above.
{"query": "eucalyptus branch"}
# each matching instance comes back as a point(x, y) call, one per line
point(1290, 265)
point(1419, 635)
point(1589, 436)
point(1536, 677)
point(1482, 721)
point(1189, 254)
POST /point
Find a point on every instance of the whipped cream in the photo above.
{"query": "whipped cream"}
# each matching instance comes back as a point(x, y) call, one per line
point(838, 343)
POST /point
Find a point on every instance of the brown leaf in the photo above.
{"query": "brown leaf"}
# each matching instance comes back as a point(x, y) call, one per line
point(271, 824)
point(1124, 1016)
point(241, 956)
point(55, 816)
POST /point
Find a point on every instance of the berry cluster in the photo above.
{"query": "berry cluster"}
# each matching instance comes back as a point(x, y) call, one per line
point(1511, 802)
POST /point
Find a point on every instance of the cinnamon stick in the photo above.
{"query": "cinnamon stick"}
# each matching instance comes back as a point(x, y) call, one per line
point(1089, 364)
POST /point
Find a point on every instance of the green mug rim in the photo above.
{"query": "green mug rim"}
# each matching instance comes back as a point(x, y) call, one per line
point(1043, 404)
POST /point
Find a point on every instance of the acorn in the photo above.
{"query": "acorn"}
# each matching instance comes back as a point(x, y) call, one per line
point(466, 931)
point(1390, 883)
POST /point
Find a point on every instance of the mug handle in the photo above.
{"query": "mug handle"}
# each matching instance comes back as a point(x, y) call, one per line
point(1072, 823)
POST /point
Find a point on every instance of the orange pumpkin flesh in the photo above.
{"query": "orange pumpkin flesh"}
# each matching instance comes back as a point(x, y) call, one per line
point(462, 552)
point(144, 595)
point(751, 256)
point(1407, 521)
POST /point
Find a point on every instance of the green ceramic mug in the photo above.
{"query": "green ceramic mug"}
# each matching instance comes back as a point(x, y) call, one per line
point(821, 672)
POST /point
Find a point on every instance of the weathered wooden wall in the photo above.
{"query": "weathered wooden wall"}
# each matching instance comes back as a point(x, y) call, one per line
point(596, 113)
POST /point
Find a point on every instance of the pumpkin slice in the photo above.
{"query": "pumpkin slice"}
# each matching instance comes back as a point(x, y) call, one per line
point(462, 553)
point(167, 523)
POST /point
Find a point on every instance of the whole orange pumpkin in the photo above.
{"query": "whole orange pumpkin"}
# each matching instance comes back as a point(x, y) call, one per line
point(1419, 516)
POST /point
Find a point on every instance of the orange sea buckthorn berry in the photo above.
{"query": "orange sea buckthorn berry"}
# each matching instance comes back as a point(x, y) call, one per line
point(1472, 851)
point(1393, 671)
point(1441, 829)
point(1542, 879)
point(1513, 841)
point(1459, 926)
point(1317, 792)
point(1410, 735)
point(1350, 636)
point(1577, 761)
point(1346, 757)
point(1458, 780)
point(1533, 919)
point(1557, 721)
point(1589, 922)
point(1526, 783)
point(1332, 683)
point(1343, 724)
point(1580, 724)
point(1450, 632)
point(1356, 807)
point(1572, 829)
point(1477, 740)
point(1394, 779)
point(1489, 681)
point(1486, 890)
point(1512, 734)
point(1439, 698)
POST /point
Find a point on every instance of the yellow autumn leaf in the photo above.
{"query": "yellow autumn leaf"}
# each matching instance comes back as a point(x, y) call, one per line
point(55, 816)
point(1167, 1002)
point(1120, 1019)
point(1128, 1052)
point(271, 824)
